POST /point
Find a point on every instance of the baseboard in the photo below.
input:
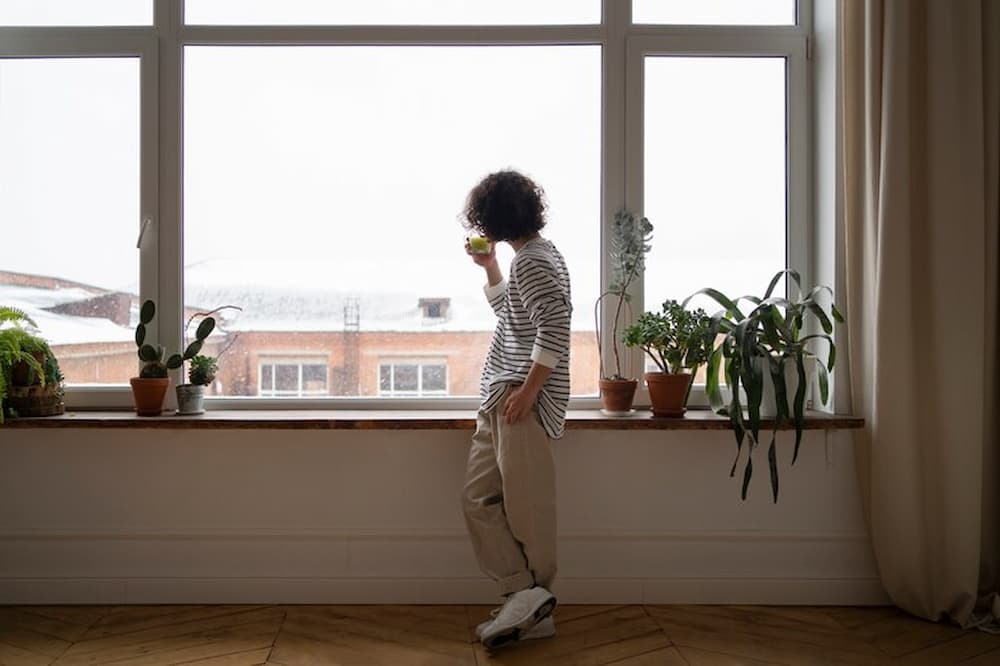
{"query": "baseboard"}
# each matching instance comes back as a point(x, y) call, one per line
point(427, 566)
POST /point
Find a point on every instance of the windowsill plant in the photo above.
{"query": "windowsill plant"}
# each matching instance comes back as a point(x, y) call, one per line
point(763, 347)
point(30, 379)
point(630, 241)
point(202, 367)
point(677, 341)
point(150, 387)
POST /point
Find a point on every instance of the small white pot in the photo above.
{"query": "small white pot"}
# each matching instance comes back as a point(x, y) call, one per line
point(190, 399)
point(769, 401)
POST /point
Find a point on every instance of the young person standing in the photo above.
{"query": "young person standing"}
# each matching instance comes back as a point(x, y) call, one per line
point(509, 497)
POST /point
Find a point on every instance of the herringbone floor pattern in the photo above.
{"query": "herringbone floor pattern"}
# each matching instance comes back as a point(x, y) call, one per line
point(443, 636)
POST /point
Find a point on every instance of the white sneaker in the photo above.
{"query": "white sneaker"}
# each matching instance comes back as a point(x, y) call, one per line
point(522, 611)
point(546, 628)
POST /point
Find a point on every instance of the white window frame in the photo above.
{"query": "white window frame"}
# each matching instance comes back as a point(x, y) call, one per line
point(623, 45)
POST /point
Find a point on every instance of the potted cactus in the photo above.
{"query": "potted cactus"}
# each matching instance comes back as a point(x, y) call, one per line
point(201, 368)
point(150, 387)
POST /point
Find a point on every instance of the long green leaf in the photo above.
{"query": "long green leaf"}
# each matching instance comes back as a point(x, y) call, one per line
point(832, 356)
point(719, 298)
point(823, 319)
point(772, 463)
point(712, 389)
point(747, 473)
point(824, 383)
point(777, 277)
point(799, 406)
point(777, 370)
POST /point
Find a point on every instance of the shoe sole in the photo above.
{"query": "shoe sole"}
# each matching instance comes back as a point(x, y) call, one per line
point(513, 634)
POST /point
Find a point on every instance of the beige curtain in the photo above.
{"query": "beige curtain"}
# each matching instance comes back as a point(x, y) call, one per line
point(919, 122)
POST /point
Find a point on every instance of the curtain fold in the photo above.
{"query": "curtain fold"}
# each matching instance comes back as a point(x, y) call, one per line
point(919, 128)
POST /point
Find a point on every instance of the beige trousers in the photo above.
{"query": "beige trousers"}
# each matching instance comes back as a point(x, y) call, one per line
point(509, 500)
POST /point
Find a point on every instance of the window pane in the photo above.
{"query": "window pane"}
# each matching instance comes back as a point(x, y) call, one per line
point(343, 170)
point(286, 378)
point(314, 378)
point(714, 175)
point(69, 208)
point(267, 378)
point(714, 12)
point(75, 12)
point(392, 12)
point(433, 378)
point(405, 378)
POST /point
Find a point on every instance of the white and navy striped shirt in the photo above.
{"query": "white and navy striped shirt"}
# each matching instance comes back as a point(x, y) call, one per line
point(534, 310)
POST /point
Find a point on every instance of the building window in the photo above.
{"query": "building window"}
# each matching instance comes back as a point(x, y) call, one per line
point(292, 378)
point(434, 308)
point(412, 378)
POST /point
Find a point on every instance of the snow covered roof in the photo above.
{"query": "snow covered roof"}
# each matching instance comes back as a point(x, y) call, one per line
point(274, 309)
point(62, 329)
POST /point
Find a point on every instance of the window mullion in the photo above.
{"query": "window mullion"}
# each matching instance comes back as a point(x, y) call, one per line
point(163, 281)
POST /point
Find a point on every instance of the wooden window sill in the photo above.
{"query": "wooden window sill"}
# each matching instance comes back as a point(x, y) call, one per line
point(642, 419)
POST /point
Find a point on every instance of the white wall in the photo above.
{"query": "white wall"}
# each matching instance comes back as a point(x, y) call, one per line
point(122, 516)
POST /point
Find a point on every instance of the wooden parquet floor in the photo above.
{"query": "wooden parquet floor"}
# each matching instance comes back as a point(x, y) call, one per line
point(443, 636)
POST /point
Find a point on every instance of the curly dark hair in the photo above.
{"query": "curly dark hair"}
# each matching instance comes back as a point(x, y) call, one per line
point(505, 206)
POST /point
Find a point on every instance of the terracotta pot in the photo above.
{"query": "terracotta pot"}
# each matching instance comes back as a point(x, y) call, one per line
point(617, 394)
point(148, 394)
point(668, 393)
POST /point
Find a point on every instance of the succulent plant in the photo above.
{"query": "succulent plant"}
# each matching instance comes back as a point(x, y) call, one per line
point(202, 370)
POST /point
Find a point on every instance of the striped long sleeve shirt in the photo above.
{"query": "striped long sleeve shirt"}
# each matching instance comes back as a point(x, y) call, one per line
point(533, 308)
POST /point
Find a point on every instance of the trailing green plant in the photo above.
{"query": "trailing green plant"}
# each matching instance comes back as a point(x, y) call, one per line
point(675, 338)
point(155, 362)
point(631, 237)
point(18, 344)
point(767, 337)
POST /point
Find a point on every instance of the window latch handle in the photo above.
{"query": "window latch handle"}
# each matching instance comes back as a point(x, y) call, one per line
point(146, 220)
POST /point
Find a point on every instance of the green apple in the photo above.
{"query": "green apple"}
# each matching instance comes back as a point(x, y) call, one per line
point(479, 245)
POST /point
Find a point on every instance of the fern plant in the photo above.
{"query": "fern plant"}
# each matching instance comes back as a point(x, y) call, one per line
point(17, 345)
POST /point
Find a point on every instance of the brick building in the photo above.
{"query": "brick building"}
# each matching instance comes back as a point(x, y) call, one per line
point(289, 343)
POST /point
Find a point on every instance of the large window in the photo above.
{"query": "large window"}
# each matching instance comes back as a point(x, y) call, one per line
point(308, 161)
